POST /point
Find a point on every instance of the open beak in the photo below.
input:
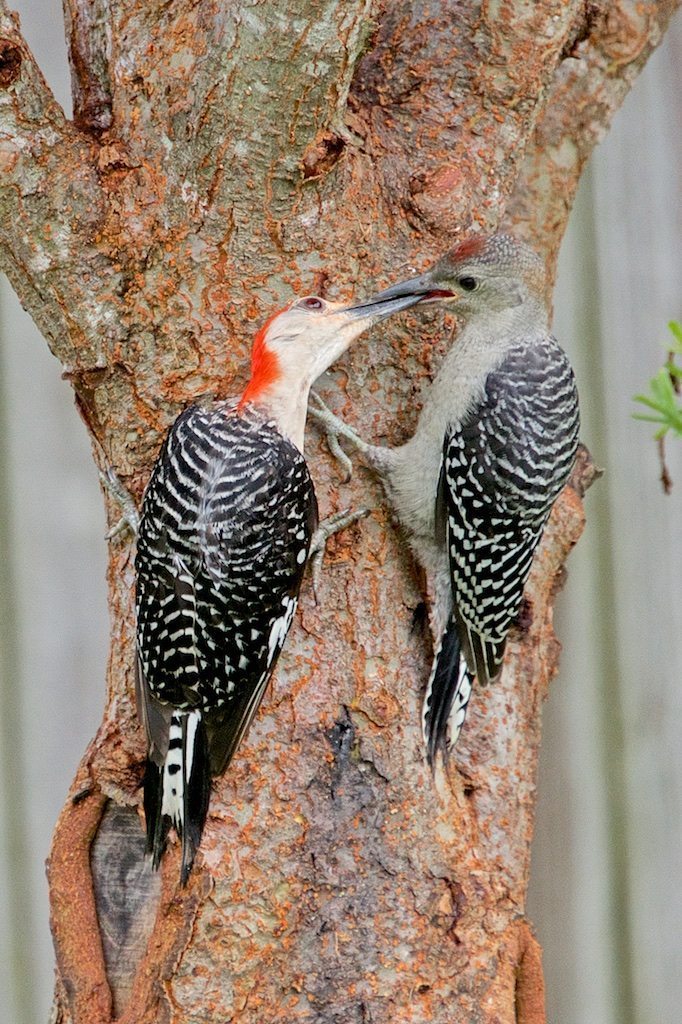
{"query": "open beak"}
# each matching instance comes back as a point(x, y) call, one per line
point(412, 291)
point(380, 306)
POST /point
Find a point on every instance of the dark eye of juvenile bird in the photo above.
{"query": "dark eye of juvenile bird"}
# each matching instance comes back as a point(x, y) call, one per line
point(467, 283)
point(311, 303)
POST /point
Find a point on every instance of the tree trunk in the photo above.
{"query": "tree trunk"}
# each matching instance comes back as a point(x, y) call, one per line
point(222, 158)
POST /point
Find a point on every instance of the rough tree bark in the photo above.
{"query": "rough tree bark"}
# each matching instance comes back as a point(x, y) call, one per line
point(223, 157)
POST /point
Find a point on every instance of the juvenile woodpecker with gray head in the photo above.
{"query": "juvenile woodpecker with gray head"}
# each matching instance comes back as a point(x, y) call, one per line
point(494, 445)
point(228, 521)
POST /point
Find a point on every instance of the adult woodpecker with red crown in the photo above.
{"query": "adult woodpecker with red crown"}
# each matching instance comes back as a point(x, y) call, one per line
point(227, 527)
point(494, 445)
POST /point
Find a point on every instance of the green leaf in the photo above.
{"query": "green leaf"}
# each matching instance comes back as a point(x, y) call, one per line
point(662, 398)
point(650, 419)
point(652, 404)
point(675, 328)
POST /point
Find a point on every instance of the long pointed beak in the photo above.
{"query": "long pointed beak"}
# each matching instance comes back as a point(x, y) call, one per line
point(418, 287)
point(408, 293)
point(380, 306)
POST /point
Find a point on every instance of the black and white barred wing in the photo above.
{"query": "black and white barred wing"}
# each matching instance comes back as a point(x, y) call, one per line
point(176, 789)
point(255, 527)
point(168, 565)
point(503, 468)
point(226, 527)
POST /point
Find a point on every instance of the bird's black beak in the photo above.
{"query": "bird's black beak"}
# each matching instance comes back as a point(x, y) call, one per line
point(410, 292)
point(380, 306)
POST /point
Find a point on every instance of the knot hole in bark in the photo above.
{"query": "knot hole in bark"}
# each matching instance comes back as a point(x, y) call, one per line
point(10, 63)
point(590, 18)
point(321, 155)
point(341, 737)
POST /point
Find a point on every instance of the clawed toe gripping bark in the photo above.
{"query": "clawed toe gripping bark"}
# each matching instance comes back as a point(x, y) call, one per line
point(130, 519)
point(326, 529)
point(335, 428)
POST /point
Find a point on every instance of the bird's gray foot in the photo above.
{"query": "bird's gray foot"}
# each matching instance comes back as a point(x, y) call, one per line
point(335, 428)
point(130, 519)
point(326, 529)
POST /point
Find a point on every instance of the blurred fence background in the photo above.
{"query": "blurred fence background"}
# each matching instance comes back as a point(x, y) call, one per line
point(606, 890)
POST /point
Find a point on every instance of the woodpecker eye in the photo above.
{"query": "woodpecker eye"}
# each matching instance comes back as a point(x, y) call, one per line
point(469, 284)
point(312, 302)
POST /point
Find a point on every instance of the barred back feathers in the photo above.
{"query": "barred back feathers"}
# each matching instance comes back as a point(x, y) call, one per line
point(226, 526)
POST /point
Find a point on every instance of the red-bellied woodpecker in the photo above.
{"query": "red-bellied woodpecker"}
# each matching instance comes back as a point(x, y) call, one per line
point(227, 524)
point(474, 486)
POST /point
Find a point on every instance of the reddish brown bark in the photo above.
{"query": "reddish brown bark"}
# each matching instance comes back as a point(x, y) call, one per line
point(222, 158)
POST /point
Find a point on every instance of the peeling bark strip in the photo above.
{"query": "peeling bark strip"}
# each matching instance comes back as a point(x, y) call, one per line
point(224, 157)
point(75, 927)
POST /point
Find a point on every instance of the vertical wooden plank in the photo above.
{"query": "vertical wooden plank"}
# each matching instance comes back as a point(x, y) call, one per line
point(59, 598)
point(606, 894)
point(59, 601)
point(18, 903)
point(638, 185)
point(571, 869)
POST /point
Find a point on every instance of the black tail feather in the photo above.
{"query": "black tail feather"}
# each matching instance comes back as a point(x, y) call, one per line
point(158, 824)
point(196, 799)
point(448, 691)
point(486, 656)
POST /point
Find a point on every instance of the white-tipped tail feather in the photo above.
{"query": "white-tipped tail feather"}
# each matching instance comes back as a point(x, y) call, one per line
point(176, 792)
point(447, 695)
point(460, 703)
point(177, 768)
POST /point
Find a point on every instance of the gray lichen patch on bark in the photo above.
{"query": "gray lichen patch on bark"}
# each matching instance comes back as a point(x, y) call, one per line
point(126, 893)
